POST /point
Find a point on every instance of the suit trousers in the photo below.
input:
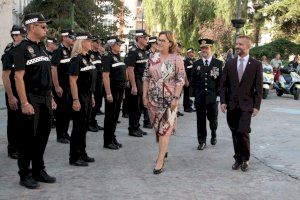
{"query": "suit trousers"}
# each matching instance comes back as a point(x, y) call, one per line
point(239, 124)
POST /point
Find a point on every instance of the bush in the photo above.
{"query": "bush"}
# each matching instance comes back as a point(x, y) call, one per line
point(282, 46)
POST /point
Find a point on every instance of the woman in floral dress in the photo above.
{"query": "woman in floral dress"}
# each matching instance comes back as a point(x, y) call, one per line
point(163, 81)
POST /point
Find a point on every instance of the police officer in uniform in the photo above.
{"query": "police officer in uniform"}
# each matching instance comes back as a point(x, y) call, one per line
point(96, 60)
point(188, 65)
point(83, 76)
point(206, 76)
point(34, 84)
point(51, 45)
point(135, 61)
point(11, 96)
point(114, 84)
point(153, 46)
point(60, 73)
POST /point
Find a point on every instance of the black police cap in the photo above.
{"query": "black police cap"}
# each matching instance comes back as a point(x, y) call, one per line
point(35, 18)
point(189, 49)
point(84, 36)
point(140, 33)
point(152, 39)
point(205, 42)
point(52, 40)
point(113, 40)
point(17, 30)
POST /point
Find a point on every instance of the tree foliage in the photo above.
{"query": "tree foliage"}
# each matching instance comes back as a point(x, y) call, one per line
point(282, 46)
point(88, 14)
point(287, 18)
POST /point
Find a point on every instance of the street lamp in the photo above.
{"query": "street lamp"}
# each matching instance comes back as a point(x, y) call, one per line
point(237, 23)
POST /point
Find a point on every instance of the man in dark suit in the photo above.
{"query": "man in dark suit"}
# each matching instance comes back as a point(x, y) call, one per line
point(205, 81)
point(241, 94)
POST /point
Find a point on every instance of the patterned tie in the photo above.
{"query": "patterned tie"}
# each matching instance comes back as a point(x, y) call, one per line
point(241, 69)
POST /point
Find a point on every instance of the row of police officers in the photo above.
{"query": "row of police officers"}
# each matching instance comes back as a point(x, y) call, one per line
point(70, 77)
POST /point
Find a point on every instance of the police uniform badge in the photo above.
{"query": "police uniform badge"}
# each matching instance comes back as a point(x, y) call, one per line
point(84, 61)
point(31, 50)
point(214, 72)
point(203, 42)
point(140, 55)
point(92, 57)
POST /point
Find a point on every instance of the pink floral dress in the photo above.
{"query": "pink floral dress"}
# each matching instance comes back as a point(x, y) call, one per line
point(162, 79)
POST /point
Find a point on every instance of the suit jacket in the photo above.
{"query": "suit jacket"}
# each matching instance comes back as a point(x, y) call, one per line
point(205, 81)
point(246, 94)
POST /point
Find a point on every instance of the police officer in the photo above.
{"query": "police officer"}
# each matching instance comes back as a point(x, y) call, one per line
point(83, 76)
point(60, 73)
point(206, 76)
point(153, 46)
point(51, 45)
point(188, 65)
point(136, 60)
point(11, 96)
point(114, 84)
point(96, 60)
point(34, 84)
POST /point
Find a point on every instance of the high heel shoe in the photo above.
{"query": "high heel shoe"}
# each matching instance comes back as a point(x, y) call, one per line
point(158, 171)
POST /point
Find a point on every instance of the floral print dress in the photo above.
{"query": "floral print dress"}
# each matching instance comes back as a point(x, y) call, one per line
point(163, 78)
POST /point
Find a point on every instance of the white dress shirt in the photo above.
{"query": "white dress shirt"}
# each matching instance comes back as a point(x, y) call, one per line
point(245, 62)
point(209, 60)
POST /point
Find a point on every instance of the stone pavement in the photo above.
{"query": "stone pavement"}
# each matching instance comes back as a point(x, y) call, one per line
point(189, 174)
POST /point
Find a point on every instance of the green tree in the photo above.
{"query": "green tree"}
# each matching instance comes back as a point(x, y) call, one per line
point(287, 18)
point(88, 14)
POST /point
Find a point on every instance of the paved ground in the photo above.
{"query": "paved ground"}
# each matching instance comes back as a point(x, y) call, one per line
point(189, 174)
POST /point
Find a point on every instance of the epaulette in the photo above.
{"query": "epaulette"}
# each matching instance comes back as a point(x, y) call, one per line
point(8, 47)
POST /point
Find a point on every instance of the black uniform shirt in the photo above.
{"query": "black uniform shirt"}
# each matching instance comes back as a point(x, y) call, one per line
point(137, 58)
point(112, 63)
point(83, 67)
point(33, 58)
point(96, 60)
point(188, 65)
point(61, 59)
point(8, 64)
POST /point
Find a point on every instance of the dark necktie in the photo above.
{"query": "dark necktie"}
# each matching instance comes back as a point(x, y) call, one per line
point(206, 63)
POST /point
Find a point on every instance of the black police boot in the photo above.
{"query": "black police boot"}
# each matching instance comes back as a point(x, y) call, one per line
point(202, 146)
point(42, 176)
point(147, 125)
point(27, 181)
point(125, 115)
point(245, 166)
point(13, 155)
point(179, 114)
point(62, 140)
point(115, 141)
point(213, 139)
point(78, 163)
point(111, 146)
point(142, 132)
point(135, 133)
point(92, 128)
point(87, 159)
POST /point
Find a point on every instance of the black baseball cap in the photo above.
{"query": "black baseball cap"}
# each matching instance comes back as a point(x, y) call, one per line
point(68, 32)
point(52, 40)
point(152, 39)
point(17, 30)
point(141, 33)
point(35, 18)
point(84, 36)
point(189, 49)
point(114, 39)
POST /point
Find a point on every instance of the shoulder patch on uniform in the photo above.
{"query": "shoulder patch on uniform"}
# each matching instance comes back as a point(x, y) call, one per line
point(8, 47)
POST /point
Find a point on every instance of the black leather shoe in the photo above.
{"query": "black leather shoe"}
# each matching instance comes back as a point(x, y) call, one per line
point(62, 140)
point(135, 133)
point(111, 146)
point(213, 141)
point(14, 155)
point(42, 176)
point(142, 132)
point(79, 163)
point(29, 182)
point(236, 165)
point(179, 114)
point(99, 112)
point(245, 166)
point(188, 110)
point(88, 159)
point(118, 122)
point(117, 143)
point(202, 146)
point(147, 126)
point(158, 171)
point(93, 128)
point(125, 115)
